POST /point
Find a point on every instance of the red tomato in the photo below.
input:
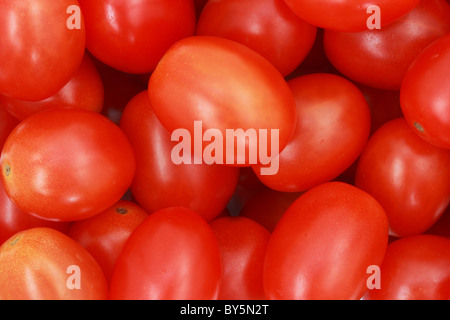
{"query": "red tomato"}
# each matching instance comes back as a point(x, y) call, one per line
point(415, 268)
point(267, 206)
point(324, 243)
point(7, 123)
point(380, 58)
point(39, 53)
point(132, 36)
point(425, 94)
point(267, 26)
point(84, 90)
point(408, 176)
point(242, 244)
point(45, 264)
point(13, 220)
point(225, 85)
point(349, 15)
point(333, 125)
point(173, 254)
point(159, 182)
point(442, 226)
point(66, 164)
point(105, 234)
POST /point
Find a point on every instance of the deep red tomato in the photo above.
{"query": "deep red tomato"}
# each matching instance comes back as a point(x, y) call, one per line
point(173, 254)
point(349, 15)
point(84, 90)
point(66, 164)
point(105, 234)
point(39, 53)
point(45, 264)
point(242, 243)
point(225, 86)
point(442, 226)
point(13, 220)
point(415, 268)
point(324, 243)
point(267, 206)
point(408, 176)
point(267, 26)
point(132, 36)
point(7, 123)
point(333, 125)
point(380, 58)
point(159, 182)
point(425, 94)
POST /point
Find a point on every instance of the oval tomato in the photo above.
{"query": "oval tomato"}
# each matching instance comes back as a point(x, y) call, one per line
point(380, 58)
point(349, 15)
point(333, 125)
point(415, 268)
point(226, 87)
point(267, 26)
point(159, 182)
point(45, 264)
point(425, 94)
point(242, 243)
point(324, 243)
point(132, 36)
point(105, 234)
point(408, 176)
point(84, 90)
point(173, 254)
point(39, 53)
point(66, 164)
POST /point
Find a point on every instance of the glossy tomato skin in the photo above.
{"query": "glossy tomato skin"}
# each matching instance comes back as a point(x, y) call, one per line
point(132, 36)
point(425, 94)
point(225, 85)
point(242, 243)
point(36, 42)
point(348, 15)
point(105, 234)
point(13, 220)
point(415, 268)
point(172, 255)
point(324, 243)
point(36, 264)
point(84, 90)
point(333, 125)
point(408, 176)
point(267, 26)
point(380, 58)
point(66, 164)
point(159, 182)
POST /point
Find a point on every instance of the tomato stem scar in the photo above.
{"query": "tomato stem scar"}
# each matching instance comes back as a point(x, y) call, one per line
point(7, 170)
point(121, 210)
point(419, 127)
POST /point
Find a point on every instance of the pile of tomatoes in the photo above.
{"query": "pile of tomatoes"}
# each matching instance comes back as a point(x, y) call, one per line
point(93, 205)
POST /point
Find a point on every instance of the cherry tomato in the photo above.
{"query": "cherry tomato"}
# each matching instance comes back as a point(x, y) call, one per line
point(333, 125)
point(132, 36)
point(242, 243)
point(415, 268)
point(84, 90)
point(380, 58)
point(13, 220)
point(39, 53)
point(66, 164)
point(324, 243)
point(173, 254)
point(224, 85)
point(105, 234)
point(44, 264)
point(425, 94)
point(349, 15)
point(408, 176)
point(159, 182)
point(267, 206)
point(267, 26)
